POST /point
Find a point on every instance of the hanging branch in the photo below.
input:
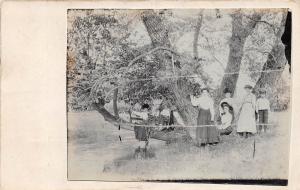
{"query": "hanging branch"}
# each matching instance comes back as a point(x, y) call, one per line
point(274, 28)
point(150, 52)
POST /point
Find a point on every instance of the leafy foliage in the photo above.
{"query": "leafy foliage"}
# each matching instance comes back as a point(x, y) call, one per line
point(101, 44)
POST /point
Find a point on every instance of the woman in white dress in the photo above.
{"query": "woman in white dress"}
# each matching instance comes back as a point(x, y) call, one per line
point(246, 121)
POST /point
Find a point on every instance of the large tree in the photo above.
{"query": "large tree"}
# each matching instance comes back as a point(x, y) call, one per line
point(278, 57)
point(124, 70)
point(158, 33)
point(243, 24)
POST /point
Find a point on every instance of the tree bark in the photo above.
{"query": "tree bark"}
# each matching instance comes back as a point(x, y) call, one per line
point(106, 114)
point(196, 35)
point(276, 61)
point(242, 27)
point(115, 103)
point(117, 122)
point(159, 36)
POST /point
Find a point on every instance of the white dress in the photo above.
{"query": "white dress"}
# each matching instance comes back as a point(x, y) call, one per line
point(226, 120)
point(246, 121)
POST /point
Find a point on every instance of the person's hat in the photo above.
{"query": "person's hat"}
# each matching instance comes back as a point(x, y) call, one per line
point(224, 104)
point(248, 86)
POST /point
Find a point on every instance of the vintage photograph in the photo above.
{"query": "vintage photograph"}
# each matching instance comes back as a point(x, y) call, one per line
point(182, 95)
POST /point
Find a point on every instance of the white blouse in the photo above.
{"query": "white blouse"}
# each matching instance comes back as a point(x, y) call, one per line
point(226, 120)
point(143, 115)
point(204, 102)
point(262, 104)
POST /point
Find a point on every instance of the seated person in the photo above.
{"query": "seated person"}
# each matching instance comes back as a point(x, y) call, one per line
point(226, 118)
point(228, 99)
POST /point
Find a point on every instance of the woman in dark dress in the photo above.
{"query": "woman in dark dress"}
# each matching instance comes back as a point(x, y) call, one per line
point(206, 132)
point(142, 133)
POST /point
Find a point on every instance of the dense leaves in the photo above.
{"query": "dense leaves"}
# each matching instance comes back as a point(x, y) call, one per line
point(102, 44)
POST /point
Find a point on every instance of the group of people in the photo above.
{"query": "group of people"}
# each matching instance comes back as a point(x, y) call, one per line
point(251, 117)
point(248, 118)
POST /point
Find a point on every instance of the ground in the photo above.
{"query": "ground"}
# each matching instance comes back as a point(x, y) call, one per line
point(95, 152)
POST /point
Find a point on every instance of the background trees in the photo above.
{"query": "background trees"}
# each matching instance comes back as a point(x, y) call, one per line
point(136, 56)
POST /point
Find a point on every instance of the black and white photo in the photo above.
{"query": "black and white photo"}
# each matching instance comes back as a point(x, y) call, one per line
point(179, 95)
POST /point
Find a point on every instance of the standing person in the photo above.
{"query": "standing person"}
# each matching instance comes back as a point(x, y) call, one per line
point(142, 133)
point(172, 119)
point(263, 110)
point(246, 120)
point(226, 118)
point(205, 134)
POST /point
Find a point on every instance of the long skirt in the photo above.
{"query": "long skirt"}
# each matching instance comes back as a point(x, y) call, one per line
point(226, 131)
point(246, 121)
point(208, 134)
point(141, 133)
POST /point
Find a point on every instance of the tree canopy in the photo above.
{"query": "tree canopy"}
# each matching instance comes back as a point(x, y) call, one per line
point(136, 56)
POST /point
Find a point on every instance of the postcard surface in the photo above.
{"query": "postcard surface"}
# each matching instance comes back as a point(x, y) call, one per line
point(149, 95)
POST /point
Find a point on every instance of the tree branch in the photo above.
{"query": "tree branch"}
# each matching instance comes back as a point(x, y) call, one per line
point(263, 52)
point(149, 52)
point(264, 22)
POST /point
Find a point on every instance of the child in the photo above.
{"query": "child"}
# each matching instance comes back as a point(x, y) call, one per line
point(226, 119)
point(142, 133)
point(263, 110)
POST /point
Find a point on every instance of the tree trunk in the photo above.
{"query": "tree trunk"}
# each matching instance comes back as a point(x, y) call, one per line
point(196, 35)
point(88, 45)
point(242, 27)
point(276, 61)
point(106, 114)
point(115, 103)
point(117, 122)
point(159, 36)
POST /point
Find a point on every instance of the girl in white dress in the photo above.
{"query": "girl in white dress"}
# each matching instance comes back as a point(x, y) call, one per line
point(246, 121)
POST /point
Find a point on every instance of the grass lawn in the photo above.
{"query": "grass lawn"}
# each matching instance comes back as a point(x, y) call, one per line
point(96, 153)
